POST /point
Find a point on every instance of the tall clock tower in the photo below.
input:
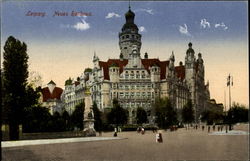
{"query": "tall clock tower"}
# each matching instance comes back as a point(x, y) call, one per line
point(129, 35)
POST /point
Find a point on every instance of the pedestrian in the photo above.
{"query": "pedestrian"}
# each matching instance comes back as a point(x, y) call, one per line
point(159, 138)
point(213, 127)
point(196, 126)
point(203, 127)
point(208, 129)
point(142, 131)
point(115, 134)
point(221, 128)
point(218, 128)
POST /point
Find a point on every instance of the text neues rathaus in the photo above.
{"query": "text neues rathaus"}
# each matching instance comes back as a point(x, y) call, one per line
point(136, 81)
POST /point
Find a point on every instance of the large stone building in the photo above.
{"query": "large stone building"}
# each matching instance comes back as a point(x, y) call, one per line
point(137, 81)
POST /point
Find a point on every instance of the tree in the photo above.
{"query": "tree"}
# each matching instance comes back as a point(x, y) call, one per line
point(77, 116)
point(117, 115)
point(15, 74)
point(67, 121)
point(97, 117)
point(166, 115)
point(237, 113)
point(141, 116)
point(188, 112)
point(37, 119)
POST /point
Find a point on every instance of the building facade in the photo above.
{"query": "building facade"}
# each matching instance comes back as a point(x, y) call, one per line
point(73, 94)
point(137, 82)
point(51, 98)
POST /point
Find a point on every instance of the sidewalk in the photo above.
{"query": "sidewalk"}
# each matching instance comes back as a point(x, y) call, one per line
point(6, 144)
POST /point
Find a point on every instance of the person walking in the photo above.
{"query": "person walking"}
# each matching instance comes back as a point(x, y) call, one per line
point(159, 138)
point(208, 129)
point(203, 127)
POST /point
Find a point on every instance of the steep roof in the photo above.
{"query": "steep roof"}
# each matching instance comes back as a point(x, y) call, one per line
point(52, 82)
point(56, 94)
point(146, 63)
point(151, 62)
point(180, 72)
point(106, 65)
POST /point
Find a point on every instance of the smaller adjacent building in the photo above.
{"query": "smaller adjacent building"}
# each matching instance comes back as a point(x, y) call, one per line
point(51, 98)
point(73, 94)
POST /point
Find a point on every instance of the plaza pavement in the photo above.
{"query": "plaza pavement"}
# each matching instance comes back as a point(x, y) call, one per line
point(182, 144)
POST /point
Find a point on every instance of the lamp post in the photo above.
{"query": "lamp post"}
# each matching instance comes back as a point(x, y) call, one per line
point(229, 84)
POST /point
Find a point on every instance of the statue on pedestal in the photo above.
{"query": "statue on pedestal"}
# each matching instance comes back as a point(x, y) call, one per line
point(88, 121)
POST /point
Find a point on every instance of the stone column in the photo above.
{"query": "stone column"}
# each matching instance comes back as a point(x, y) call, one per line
point(88, 121)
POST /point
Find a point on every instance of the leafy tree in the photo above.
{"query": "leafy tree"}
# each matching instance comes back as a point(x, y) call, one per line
point(77, 116)
point(188, 112)
point(15, 74)
point(97, 117)
point(117, 115)
point(141, 116)
point(37, 119)
point(58, 122)
point(166, 115)
point(67, 121)
point(238, 113)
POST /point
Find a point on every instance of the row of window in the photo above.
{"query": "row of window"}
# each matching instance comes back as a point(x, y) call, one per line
point(135, 104)
point(130, 36)
point(138, 86)
point(135, 94)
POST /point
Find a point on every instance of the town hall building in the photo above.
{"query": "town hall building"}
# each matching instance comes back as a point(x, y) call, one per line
point(136, 80)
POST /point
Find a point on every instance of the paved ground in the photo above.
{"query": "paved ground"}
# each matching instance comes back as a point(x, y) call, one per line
point(180, 145)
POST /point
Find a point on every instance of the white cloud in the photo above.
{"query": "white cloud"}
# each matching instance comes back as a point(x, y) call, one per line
point(221, 25)
point(81, 25)
point(184, 30)
point(204, 23)
point(142, 29)
point(149, 11)
point(112, 14)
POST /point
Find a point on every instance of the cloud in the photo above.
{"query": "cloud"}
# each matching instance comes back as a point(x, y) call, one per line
point(112, 14)
point(149, 11)
point(142, 29)
point(81, 25)
point(184, 30)
point(204, 23)
point(221, 25)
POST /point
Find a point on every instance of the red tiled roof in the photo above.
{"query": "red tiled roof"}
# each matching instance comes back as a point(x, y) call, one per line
point(146, 63)
point(162, 64)
point(105, 66)
point(77, 83)
point(56, 94)
point(180, 72)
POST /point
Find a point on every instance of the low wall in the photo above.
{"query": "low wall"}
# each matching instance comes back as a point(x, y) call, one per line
point(51, 135)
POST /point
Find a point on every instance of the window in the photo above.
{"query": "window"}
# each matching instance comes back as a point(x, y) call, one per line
point(123, 37)
point(127, 36)
point(121, 94)
point(133, 36)
point(125, 47)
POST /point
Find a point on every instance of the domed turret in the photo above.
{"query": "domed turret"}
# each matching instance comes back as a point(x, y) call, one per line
point(129, 35)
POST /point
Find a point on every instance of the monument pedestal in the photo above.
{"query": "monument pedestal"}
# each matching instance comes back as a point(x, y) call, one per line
point(89, 128)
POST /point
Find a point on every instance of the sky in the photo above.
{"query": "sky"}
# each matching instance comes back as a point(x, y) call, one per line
point(61, 45)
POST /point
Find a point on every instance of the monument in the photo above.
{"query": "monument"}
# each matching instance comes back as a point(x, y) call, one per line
point(89, 120)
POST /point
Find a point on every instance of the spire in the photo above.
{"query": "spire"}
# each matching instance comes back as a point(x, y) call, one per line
point(129, 5)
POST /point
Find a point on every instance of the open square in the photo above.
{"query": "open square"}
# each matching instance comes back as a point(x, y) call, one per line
point(182, 144)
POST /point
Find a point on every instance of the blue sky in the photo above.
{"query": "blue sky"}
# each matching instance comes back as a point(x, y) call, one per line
point(163, 22)
point(61, 47)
